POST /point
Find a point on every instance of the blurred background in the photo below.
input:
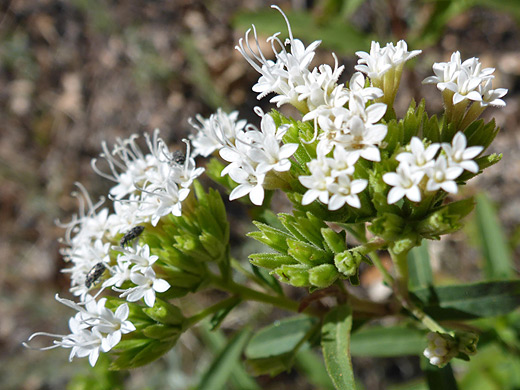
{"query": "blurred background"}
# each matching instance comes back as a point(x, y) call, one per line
point(74, 73)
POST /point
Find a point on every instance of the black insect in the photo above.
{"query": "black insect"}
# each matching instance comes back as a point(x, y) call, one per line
point(94, 274)
point(132, 234)
point(178, 157)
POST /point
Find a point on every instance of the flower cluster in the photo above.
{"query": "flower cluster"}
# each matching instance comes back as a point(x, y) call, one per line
point(148, 187)
point(255, 156)
point(94, 328)
point(420, 172)
point(466, 81)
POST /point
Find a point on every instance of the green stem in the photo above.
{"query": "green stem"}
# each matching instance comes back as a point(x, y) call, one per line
point(251, 276)
point(249, 294)
point(400, 261)
point(387, 278)
point(190, 321)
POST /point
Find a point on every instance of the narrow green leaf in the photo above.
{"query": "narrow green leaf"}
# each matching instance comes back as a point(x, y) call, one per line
point(497, 256)
point(419, 267)
point(280, 338)
point(216, 341)
point(311, 366)
point(469, 301)
point(335, 343)
point(387, 342)
point(438, 378)
point(221, 315)
point(222, 367)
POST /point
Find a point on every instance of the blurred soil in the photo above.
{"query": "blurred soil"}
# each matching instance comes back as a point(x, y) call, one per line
point(75, 73)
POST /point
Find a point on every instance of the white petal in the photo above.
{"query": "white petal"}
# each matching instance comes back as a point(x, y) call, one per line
point(395, 194)
point(160, 285)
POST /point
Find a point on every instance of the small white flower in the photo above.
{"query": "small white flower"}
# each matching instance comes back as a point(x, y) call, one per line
point(141, 257)
point(491, 97)
point(440, 349)
point(419, 158)
point(440, 176)
point(147, 286)
point(460, 156)
point(405, 182)
point(250, 182)
point(159, 203)
point(215, 132)
point(344, 190)
point(317, 183)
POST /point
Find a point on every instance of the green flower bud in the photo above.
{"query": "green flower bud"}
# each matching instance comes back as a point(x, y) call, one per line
point(388, 226)
point(275, 238)
point(323, 275)
point(405, 243)
point(162, 332)
point(296, 275)
point(271, 260)
point(445, 220)
point(347, 262)
point(165, 313)
point(467, 343)
point(335, 241)
point(306, 253)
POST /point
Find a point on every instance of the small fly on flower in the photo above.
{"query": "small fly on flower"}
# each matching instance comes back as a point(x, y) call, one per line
point(94, 274)
point(178, 157)
point(132, 234)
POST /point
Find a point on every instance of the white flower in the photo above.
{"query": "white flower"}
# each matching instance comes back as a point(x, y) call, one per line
point(344, 190)
point(289, 71)
point(250, 182)
point(445, 72)
point(439, 349)
point(94, 328)
point(159, 203)
point(215, 132)
point(317, 183)
point(380, 60)
point(147, 286)
point(363, 139)
point(419, 158)
point(440, 176)
point(269, 155)
point(113, 325)
point(141, 257)
point(466, 87)
point(120, 273)
point(460, 156)
point(491, 97)
point(405, 182)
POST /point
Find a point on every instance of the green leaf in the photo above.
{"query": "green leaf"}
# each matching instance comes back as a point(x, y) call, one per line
point(498, 263)
point(335, 343)
point(279, 338)
point(216, 341)
point(419, 267)
point(220, 315)
point(387, 341)
point(311, 366)
point(223, 364)
point(469, 301)
point(438, 378)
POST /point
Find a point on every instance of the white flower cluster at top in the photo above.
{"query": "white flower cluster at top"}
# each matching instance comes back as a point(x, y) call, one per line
point(347, 121)
point(148, 186)
point(467, 81)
